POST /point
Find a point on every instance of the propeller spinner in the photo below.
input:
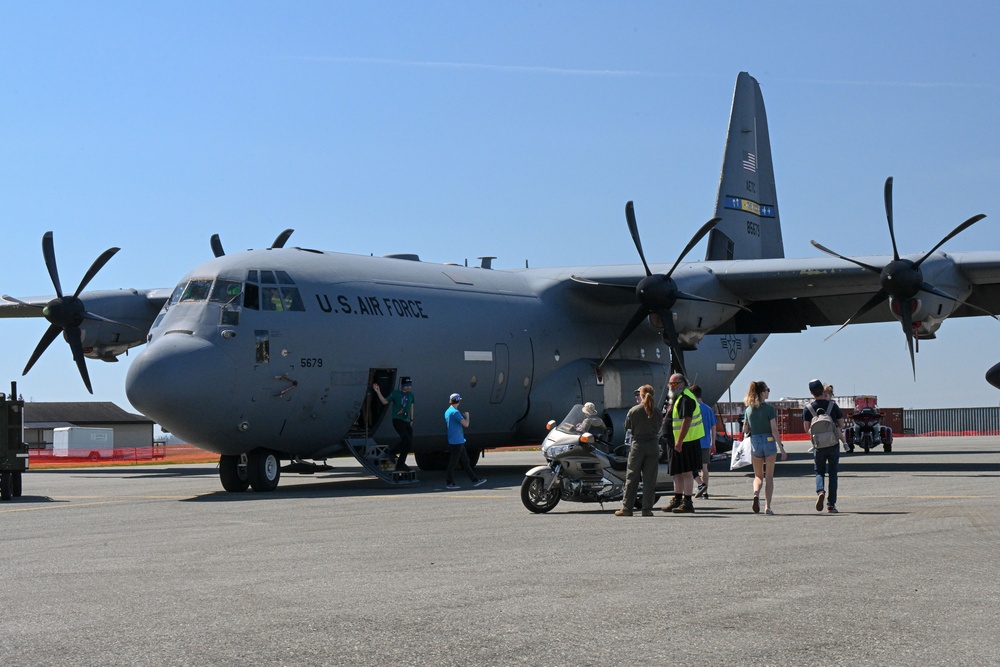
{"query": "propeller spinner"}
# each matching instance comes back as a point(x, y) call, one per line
point(66, 313)
point(902, 279)
point(657, 294)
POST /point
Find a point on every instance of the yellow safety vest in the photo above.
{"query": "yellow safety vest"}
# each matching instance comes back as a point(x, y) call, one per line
point(697, 429)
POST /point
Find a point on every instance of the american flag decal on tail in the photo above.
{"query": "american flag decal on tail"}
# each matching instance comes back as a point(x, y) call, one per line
point(750, 161)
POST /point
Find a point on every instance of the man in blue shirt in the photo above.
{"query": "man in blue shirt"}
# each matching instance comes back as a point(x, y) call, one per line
point(457, 422)
point(707, 442)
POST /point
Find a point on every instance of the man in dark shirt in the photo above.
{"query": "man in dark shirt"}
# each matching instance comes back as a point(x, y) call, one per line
point(825, 459)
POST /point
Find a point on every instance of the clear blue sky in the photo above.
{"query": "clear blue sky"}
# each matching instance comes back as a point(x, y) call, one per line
point(514, 129)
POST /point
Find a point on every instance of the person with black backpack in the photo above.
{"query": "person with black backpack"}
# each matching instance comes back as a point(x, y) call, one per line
point(824, 422)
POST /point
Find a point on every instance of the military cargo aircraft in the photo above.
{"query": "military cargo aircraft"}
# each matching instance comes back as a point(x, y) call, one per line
point(270, 355)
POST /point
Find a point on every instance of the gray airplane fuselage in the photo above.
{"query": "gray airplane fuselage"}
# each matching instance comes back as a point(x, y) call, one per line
point(291, 372)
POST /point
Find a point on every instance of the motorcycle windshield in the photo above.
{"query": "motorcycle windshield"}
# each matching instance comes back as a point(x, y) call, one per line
point(572, 423)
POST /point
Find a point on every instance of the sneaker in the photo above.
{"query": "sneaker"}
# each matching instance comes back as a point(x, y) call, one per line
point(650, 512)
point(702, 490)
point(820, 497)
point(769, 511)
point(832, 509)
point(480, 482)
point(452, 486)
point(623, 512)
point(756, 505)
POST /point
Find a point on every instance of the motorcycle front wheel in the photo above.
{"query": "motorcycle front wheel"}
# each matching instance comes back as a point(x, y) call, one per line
point(536, 498)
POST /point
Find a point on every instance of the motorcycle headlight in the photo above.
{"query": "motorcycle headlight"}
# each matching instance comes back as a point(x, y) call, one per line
point(558, 450)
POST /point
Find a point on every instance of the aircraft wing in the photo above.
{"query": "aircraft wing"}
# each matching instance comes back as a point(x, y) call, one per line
point(789, 295)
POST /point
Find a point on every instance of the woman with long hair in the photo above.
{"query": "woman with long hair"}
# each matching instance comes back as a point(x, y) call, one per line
point(644, 456)
point(761, 424)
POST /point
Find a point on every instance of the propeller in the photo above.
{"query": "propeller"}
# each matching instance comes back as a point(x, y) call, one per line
point(902, 279)
point(657, 293)
point(279, 242)
point(66, 313)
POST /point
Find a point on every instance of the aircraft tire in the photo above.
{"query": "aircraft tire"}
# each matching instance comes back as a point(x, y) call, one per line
point(5, 486)
point(535, 498)
point(234, 477)
point(263, 470)
point(432, 461)
point(474, 456)
point(15, 484)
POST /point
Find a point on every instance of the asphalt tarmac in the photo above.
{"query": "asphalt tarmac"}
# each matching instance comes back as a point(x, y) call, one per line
point(158, 566)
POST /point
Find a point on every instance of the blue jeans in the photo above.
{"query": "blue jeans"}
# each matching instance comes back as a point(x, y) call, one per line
point(825, 462)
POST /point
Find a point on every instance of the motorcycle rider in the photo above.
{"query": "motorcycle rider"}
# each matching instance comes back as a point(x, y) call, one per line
point(594, 425)
point(644, 455)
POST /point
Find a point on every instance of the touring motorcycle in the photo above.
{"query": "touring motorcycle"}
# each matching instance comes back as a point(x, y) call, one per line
point(580, 467)
point(868, 431)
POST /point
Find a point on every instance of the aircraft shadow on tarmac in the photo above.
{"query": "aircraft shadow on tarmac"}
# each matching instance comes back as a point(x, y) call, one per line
point(355, 482)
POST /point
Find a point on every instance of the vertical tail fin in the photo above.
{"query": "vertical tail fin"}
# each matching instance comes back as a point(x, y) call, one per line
point(747, 200)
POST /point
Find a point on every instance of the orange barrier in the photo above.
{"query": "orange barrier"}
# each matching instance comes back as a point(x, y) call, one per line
point(158, 454)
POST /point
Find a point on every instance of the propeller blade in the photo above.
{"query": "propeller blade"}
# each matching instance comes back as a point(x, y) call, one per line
point(907, 320)
point(927, 287)
point(94, 268)
point(43, 344)
point(74, 338)
point(7, 297)
point(49, 252)
point(633, 229)
point(216, 245)
point(633, 323)
point(588, 281)
point(993, 376)
point(846, 259)
point(699, 235)
point(279, 242)
point(878, 298)
point(955, 232)
point(673, 342)
point(695, 297)
point(888, 216)
point(94, 316)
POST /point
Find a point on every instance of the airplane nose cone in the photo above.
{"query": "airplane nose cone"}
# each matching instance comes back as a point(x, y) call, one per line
point(184, 383)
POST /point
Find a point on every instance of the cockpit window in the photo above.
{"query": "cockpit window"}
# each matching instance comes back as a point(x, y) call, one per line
point(226, 291)
point(266, 294)
point(176, 295)
point(285, 298)
point(197, 290)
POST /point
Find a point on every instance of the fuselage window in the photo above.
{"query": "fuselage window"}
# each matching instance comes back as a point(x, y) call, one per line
point(290, 297)
point(226, 291)
point(197, 290)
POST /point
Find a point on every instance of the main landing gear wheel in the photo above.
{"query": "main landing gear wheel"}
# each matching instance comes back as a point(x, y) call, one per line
point(432, 461)
point(263, 470)
point(15, 483)
point(536, 498)
point(235, 477)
